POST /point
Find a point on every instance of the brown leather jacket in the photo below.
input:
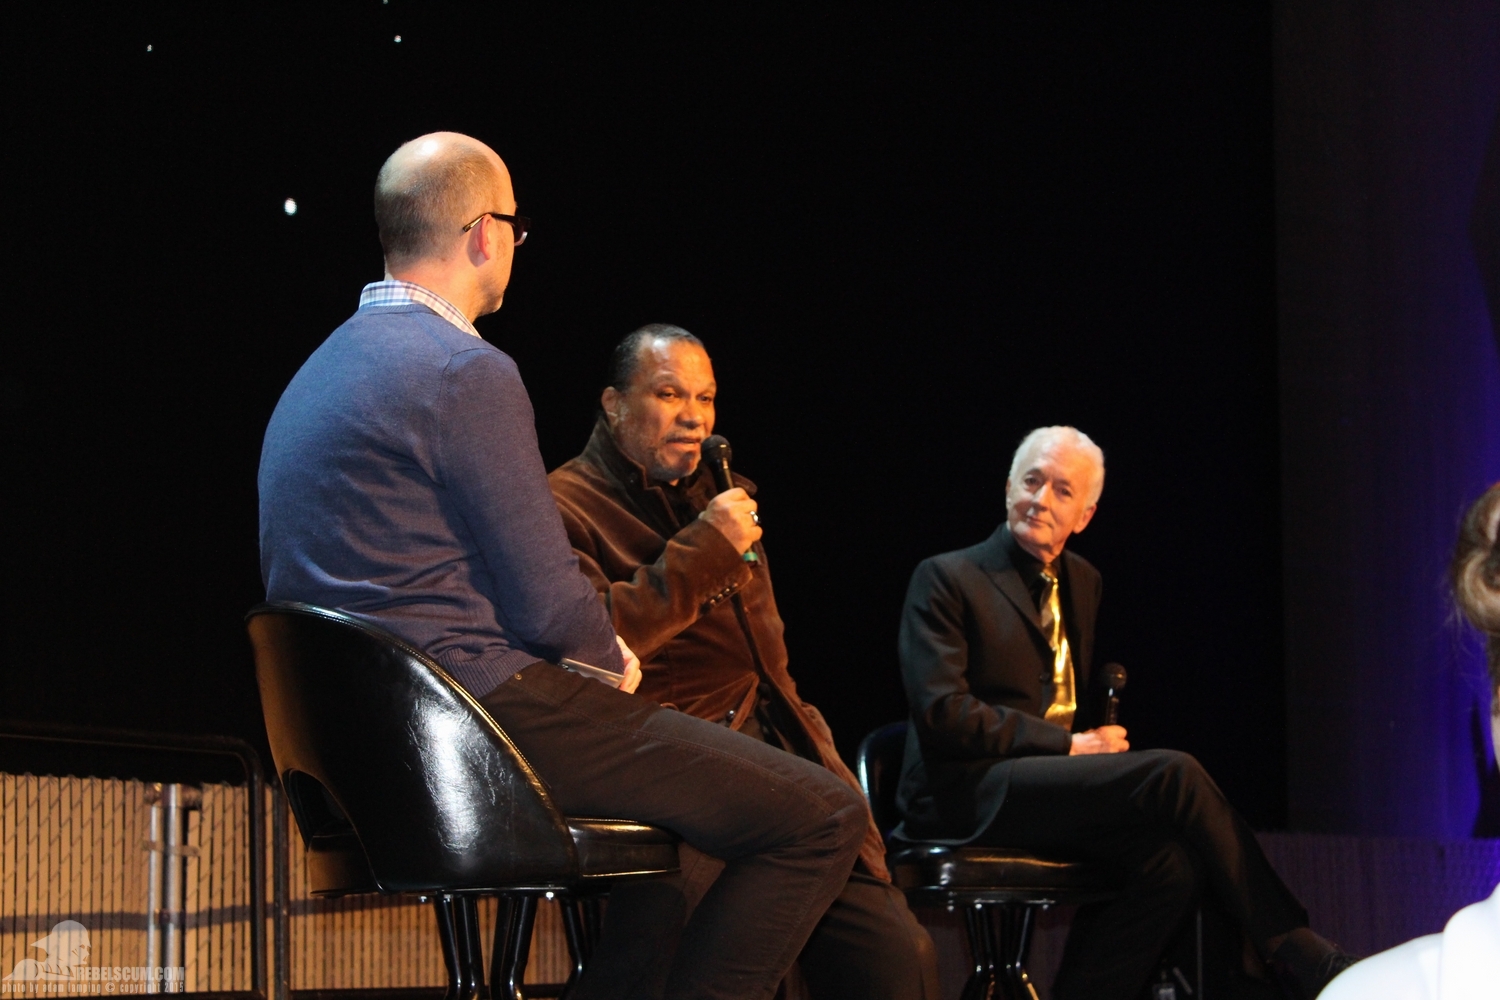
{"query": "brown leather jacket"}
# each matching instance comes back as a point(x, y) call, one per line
point(668, 589)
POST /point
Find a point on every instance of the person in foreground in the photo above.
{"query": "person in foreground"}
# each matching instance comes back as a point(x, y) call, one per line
point(683, 573)
point(1463, 962)
point(996, 644)
point(400, 482)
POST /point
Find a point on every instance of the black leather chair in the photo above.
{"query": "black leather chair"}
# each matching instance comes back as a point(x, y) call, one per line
point(1000, 890)
point(401, 783)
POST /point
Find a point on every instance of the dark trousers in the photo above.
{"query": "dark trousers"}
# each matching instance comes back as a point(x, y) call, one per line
point(786, 829)
point(1160, 823)
point(867, 945)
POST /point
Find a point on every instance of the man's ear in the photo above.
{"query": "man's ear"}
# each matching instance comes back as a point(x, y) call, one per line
point(1085, 518)
point(474, 247)
point(610, 400)
point(484, 241)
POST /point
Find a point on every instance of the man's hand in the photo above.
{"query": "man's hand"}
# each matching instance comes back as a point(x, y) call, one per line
point(1105, 739)
point(632, 678)
point(731, 512)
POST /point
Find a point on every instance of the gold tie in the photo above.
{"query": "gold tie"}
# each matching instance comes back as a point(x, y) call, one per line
point(1064, 702)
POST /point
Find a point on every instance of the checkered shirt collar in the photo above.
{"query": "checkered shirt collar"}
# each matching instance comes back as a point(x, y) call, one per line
point(393, 292)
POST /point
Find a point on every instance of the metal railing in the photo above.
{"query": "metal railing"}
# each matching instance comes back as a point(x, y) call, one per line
point(54, 873)
point(164, 875)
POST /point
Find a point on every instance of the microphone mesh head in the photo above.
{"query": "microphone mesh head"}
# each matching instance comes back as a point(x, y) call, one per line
point(1114, 676)
point(716, 449)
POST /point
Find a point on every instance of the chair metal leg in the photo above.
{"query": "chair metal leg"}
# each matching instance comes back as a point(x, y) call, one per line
point(982, 981)
point(575, 926)
point(458, 929)
point(504, 914)
point(447, 935)
point(1000, 942)
point(1015, 926)
point(512, 945)
point(473, 948)
point(593, 919)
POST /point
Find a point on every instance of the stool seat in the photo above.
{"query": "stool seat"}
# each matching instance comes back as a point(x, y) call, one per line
point(996, 874)
point(607, 849)
point(998, 889)
point(618, 849)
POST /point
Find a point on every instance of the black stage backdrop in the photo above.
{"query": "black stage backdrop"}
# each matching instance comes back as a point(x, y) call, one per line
point(906, 236)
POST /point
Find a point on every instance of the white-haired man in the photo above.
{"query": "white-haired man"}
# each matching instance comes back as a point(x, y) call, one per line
point(996, 649)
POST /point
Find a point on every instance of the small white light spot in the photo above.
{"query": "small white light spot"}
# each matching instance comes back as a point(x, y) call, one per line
point(398, 39)
point(148, 48)
point(290, 206)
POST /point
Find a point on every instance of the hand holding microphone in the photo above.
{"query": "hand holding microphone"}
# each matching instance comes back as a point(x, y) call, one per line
point(1110, 737)
point(1105, 739)
point(733, 512)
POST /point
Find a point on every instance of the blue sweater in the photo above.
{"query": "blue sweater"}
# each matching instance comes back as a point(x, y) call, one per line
point(400, 482)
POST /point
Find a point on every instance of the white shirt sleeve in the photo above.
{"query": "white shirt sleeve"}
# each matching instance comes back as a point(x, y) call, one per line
point(1406, 972)
point(1462, 963)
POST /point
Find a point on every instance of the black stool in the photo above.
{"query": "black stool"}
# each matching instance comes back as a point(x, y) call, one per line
point(1000, 890)
point(401, 783)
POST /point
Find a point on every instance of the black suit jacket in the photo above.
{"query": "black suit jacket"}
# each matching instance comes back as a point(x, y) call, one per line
point(978, 676)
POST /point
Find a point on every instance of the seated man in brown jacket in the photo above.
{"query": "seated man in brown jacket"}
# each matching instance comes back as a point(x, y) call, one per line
point(684, 576)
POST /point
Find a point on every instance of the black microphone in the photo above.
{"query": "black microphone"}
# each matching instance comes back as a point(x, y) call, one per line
point(717, 453)
point(1114, 682)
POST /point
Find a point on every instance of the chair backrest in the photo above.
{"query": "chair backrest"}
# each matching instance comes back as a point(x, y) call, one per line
point(878, 764)
point(364, 727)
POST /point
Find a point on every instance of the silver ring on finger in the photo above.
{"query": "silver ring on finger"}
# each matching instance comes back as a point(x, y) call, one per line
point(755, 518)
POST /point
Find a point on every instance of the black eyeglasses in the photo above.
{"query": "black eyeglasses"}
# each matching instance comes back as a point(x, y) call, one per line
point(518, 223)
